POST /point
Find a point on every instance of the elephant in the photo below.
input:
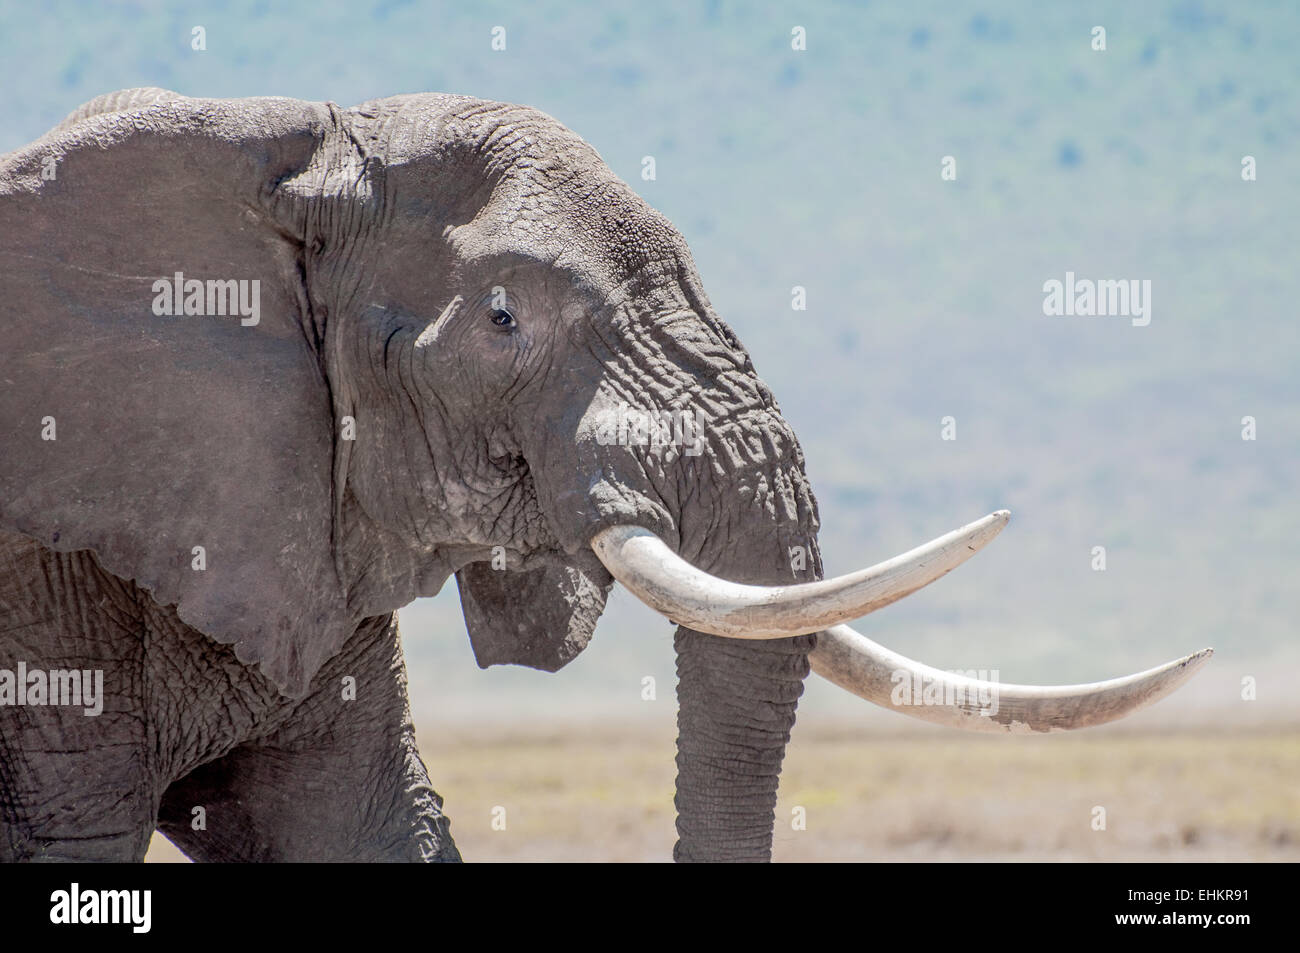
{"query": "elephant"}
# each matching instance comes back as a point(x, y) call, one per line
point(276, 368)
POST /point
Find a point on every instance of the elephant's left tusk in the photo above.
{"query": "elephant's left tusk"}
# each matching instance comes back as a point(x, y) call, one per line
point(871, 671)
point(691, 597)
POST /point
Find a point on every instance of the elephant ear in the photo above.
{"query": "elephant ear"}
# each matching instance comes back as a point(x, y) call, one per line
point(190, 452)
point(541, 617)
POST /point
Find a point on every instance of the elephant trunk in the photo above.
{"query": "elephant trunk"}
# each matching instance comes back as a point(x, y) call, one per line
point(737, 698)
point(736, 706)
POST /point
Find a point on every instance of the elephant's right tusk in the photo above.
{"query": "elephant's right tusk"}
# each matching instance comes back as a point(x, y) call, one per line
point(871, 671)
point(670, 585)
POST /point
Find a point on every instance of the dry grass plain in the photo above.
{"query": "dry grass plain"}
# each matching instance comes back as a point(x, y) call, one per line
point(578, 793)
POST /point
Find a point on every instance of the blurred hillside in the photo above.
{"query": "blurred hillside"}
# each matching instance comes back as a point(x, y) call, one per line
point(821, 169)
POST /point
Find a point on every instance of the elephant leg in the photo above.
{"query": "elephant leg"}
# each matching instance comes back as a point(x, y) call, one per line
point(76, 770)
point(339, 780)
point(67, 792)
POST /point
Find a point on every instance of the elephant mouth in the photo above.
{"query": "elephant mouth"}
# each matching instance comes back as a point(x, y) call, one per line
point(690, 597)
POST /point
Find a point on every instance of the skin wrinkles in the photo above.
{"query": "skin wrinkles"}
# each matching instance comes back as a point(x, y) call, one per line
point(460, 339)
point(143, 648)
point(456, 335)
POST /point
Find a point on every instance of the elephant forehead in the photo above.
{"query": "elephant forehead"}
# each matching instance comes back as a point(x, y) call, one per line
point(544, 190)
point(599, 233)
point(601, 229)
point(491, 140)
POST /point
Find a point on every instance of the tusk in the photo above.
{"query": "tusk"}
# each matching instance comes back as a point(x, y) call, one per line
point(670, 585)
point(871, 671)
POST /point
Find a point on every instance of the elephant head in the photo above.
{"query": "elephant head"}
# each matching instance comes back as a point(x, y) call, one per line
point(300, 364)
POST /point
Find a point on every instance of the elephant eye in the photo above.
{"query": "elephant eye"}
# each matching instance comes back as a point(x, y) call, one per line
point(502, 318)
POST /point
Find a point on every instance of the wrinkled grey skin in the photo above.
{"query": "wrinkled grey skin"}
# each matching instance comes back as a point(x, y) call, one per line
point(378, 234)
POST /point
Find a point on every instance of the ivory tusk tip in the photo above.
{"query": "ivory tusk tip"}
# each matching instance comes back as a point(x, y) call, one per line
point(982, 531)
point(869, 671)
point(1189, 664)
